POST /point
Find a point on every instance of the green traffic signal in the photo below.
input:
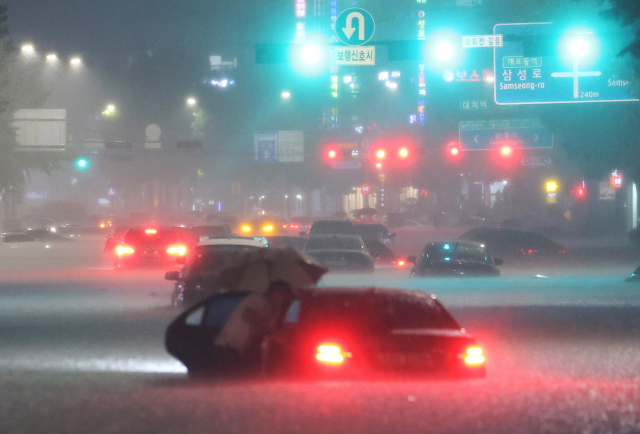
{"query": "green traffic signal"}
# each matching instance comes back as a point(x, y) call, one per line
point(82, 163)
point(310, 54)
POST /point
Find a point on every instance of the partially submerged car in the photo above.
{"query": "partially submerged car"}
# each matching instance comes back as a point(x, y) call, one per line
point(339, 333)
point(455, 259)
point(198, 277)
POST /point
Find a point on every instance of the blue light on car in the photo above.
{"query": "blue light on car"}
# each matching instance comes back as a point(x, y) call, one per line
point(447, 259)
point(446, 247)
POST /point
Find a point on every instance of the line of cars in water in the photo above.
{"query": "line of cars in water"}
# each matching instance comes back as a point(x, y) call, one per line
point(338, 332)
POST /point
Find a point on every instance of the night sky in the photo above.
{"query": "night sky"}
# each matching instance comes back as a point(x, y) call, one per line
point(93, 25)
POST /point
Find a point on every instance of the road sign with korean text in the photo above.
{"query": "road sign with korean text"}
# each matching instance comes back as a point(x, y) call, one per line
point(533, 66)
point(482, 41)
point(354, 55)
point(486, 135)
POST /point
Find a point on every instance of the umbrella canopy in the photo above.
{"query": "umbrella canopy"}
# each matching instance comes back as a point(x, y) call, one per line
point(255, 271)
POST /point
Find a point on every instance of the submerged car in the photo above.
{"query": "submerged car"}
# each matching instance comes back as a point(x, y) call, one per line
point(198, 277)
point(332, 227)
point(510, 244)
point(635, 276)
point(149, 246)
point(374, 232)
point(455, 259)
point(339, 333)
point(340, 252)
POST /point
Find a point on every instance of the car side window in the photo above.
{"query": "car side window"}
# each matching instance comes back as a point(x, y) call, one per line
point(195, 317)
point(220, 309)
point(291, 317)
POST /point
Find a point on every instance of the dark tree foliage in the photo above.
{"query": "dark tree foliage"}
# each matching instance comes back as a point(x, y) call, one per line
point(627, 12)
point(20, 87)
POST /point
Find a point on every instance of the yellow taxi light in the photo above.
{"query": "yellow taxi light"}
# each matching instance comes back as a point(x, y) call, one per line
point(245, 228)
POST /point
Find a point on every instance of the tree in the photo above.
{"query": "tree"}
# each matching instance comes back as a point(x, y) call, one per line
point(20, 87)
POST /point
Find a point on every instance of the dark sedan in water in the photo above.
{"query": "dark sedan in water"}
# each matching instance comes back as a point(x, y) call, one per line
point(516, 246)
point(339, 333)
point(340, 252)
point(455, 259)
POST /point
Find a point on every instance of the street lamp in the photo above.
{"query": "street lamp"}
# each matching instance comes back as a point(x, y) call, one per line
point(191, 101)
point(28, 50)
point(110, 110)
point(76, 62)
point(52, 58)
point(285, 94)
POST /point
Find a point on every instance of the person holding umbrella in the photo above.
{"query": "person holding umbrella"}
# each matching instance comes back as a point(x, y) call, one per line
point(237, 347)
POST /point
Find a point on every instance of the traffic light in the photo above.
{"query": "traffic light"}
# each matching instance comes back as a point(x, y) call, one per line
point(331, 153)
point(452, 151)
point(551, 186)
point(310, 57)
point(82, 163)
point(403, 152)
point(579, 192)
point(579, 45)
point(444, 50)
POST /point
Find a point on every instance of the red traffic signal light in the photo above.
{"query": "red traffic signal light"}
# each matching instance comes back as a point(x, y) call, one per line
point(506, 150)
point(403, 152)
point(331, 153)
point(381, 154)
point(579, 191)
point(452, 151)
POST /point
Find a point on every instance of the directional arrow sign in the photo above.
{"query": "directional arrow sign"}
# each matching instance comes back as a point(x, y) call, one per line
point(353, 19)
point(485, 135)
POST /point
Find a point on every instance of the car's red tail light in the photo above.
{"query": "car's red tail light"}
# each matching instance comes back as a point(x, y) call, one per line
point(295, 226)
point(177, 250)
point(528, 251)
point(150, 231)
point(474, 356)
point(122, 250)
point(401, 263)
point(330, 353)
point(562, 251)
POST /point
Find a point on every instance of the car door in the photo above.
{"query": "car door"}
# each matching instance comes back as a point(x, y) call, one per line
point(191, 336)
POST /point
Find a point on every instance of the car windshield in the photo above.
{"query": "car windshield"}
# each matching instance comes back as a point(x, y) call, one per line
point(334, 243)
point(150, 236)
point(374, 312)
point(371, 231)
point(211, 259)
point(331, 227)
point(209, 231)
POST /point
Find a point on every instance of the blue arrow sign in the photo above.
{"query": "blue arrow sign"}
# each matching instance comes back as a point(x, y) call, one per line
point(486, 135)
point(579, 74)
point(355, 26)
